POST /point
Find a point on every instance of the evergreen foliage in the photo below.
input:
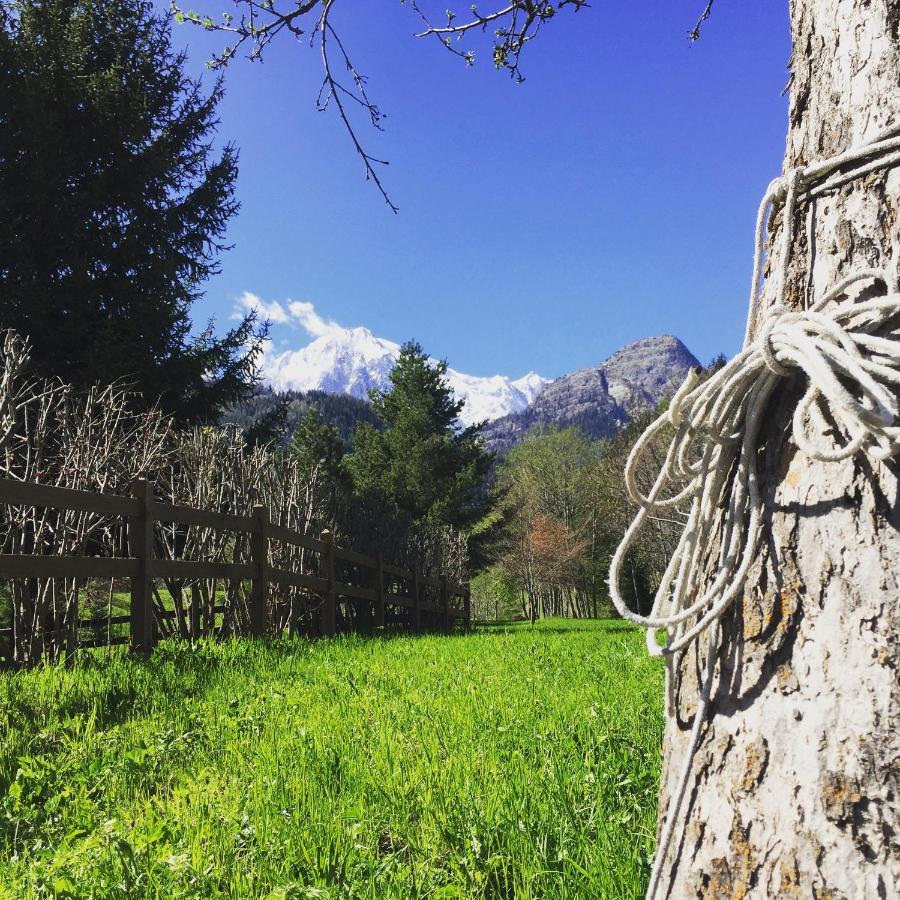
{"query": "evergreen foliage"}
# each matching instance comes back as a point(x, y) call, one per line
point(421, 460)
point(318, 447)
point(269, 426)
point(113, 205)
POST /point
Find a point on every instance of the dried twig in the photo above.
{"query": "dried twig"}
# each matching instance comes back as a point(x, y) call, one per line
point(694, 33)
point(516, 24)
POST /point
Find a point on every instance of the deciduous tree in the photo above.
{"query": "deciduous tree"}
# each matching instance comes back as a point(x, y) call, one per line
point(794, 786)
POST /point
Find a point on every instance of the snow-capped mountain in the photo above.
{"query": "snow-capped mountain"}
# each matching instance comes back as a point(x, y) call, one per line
point(599, 399)
point(353, 360)
point(490, 397)
point(345, 361)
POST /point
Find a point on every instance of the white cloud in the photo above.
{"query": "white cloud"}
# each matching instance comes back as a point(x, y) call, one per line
point(294, 312)
point(274, 311)
point(305, 314)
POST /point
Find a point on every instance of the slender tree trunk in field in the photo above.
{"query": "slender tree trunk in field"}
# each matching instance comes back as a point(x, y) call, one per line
point(795, 787)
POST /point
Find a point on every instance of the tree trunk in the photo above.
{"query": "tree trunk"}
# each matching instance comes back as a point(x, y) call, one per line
point(795, 786)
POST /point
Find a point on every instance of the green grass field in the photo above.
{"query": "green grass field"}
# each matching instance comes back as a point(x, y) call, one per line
point(510, 762)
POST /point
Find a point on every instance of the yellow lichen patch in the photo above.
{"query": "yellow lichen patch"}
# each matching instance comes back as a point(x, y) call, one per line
point(787, 680)
point(779, 607)
point(789, 885)
point(826, 893)
point(755, 763)
point(717, 754)
point(732, 878)
point(693, 833)
point(797, 467)
point(757, 613)
point(839, 794)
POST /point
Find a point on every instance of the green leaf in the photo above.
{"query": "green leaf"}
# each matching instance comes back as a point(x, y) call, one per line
point(63, 885)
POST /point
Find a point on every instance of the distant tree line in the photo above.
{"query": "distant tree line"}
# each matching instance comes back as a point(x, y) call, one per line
point(270, 415)
point(558, 509)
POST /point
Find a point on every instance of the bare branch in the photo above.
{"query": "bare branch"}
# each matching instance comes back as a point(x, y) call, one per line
point(260, 22)
point(332, 90)
point(694, 33)
point(522, 21)
point(478, 22)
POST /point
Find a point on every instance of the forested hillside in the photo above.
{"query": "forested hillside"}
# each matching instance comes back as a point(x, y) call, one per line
point(278, 413)
point(599, 400)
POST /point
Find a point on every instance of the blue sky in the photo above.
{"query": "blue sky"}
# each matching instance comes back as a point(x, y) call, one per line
point(543, 225)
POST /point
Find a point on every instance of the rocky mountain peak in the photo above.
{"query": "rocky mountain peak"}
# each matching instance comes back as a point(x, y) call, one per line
point(600, 399)
point(650, 364)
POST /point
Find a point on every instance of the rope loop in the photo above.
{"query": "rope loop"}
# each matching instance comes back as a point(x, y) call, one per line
point(765, 343)
point(852, 374)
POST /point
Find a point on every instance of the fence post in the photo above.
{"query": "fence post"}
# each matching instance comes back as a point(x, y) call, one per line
point(329, 601)
point(379, 592)
point(445, 601)
point(417, 603)
point(72, 630)
point(140, 547)
point(195, 612)
point(259, 548)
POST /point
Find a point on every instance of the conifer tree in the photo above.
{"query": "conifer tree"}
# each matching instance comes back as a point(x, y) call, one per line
point(318, 448)
point(113, 204)
point(421, 460)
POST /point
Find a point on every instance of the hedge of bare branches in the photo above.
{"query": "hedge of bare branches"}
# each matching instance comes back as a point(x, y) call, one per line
point(94, 441)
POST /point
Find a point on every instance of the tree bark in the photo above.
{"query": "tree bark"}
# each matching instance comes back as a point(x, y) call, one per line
point(795, 785)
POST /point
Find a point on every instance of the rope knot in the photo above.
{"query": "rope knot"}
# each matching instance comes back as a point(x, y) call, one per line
point(777, 189)
point(849, 353)
point(766, 346)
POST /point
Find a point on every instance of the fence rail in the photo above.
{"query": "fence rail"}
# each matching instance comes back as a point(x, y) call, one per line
point(381, 586)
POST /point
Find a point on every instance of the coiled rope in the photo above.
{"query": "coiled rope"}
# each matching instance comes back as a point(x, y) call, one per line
point(853, 373)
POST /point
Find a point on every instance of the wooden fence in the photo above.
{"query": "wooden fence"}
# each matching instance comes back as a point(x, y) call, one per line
point(366, 582)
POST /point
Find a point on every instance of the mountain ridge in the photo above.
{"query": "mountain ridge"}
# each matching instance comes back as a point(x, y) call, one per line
point(600, 399)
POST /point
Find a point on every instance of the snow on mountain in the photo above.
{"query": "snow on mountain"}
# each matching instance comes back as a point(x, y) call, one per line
point(353, 360)
point(345, 361)
point(494, 396)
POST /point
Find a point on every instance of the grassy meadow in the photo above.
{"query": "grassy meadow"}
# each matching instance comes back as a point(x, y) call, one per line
point(510, 762)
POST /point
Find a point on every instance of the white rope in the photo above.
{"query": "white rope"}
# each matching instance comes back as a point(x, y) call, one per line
point(853, 374)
